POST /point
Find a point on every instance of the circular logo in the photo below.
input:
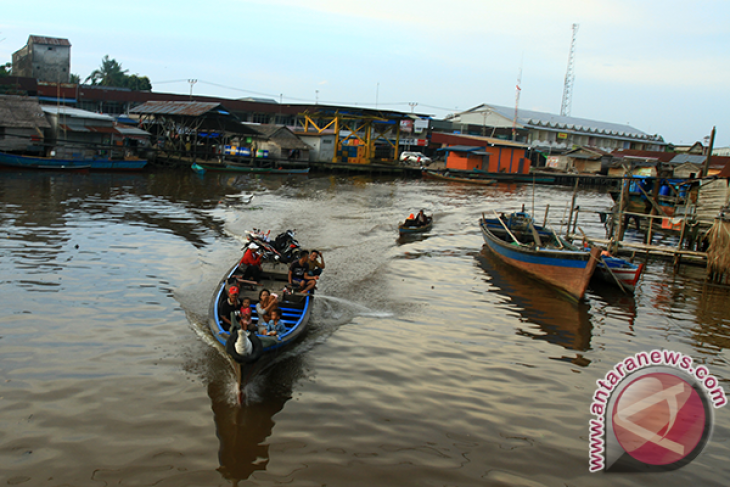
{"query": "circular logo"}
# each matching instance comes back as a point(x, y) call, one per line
point(660, 419)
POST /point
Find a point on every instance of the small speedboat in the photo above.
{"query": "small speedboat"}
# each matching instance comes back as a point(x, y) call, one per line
point(409, 226)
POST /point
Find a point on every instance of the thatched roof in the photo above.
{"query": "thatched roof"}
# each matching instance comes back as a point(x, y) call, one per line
point(21, 112)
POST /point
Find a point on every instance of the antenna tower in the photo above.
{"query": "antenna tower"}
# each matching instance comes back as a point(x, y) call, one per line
point(569, 77)
point(517, 105)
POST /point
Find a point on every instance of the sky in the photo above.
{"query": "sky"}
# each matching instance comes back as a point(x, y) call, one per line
point(662, 67)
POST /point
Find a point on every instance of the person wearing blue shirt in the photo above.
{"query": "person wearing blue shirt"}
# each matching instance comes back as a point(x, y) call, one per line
point(275, 327)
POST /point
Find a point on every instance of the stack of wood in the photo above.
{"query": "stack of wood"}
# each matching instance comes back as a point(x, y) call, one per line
point(718, 253)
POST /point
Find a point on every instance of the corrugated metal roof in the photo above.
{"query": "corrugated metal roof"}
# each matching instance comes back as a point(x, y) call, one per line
point(682, 158)
point(76, 113)
point(181, 108)
point(50, 41)
point(554, 122)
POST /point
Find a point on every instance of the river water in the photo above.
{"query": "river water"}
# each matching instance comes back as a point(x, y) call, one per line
point(427, 362)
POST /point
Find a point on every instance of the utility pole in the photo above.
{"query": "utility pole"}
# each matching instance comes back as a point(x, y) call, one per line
point(517, 105)
point(192, 82)
point(569, 78)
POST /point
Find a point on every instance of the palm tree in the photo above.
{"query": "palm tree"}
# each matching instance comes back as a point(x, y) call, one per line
point(110, 73)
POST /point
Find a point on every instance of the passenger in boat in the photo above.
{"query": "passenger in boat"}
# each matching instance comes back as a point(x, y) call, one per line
point(315, 264)
point(276, 326)
point(421, 219)
point(245, 320)
point(230, 305)
point(298, 276)
point(252, 260)
point(410, 221)
point(267, 302)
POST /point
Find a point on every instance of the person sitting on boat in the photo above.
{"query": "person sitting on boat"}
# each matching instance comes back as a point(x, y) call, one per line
point(230, 305)
point(252, 260)
point(410, 221)
point(267, 302)
point(422, 219)
point(298, 276)
point(245, 320)
point(315, 264)
point(275, 327)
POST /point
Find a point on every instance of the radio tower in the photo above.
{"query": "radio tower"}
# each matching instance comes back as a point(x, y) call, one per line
point(569, 77)
point(517, 105)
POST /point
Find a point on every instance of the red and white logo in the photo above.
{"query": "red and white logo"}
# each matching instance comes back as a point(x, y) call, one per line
point(659, 419)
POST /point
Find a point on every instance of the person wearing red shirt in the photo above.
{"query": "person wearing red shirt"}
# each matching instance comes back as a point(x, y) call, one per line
point(252, 260)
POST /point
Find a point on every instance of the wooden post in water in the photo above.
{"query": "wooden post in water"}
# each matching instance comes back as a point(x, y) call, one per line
point(544, 222)
point(572, 204)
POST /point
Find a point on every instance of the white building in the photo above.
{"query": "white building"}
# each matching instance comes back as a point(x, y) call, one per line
point(548, 132)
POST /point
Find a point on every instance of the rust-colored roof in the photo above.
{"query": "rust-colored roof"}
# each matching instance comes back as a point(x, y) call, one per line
point(645, 154)
point(49, 41)
point(180, 108)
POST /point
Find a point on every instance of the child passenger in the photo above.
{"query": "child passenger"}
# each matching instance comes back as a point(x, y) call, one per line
point(246, 322)
point(276, 326)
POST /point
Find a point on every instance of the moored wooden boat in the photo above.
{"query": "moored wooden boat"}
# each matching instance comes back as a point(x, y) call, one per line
point(97, 163)
point(295, 307)
point(611, 269)
point(539, 253)
point(444, 177)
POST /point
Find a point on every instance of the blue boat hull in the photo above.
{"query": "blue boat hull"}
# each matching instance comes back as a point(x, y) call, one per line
point(296, 310)
point(29, 162)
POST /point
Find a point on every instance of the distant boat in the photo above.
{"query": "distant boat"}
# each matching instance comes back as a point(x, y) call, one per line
point(34, 162)
point(405, 229)
point(540, 253)
point(444, 177)
point(249, 169)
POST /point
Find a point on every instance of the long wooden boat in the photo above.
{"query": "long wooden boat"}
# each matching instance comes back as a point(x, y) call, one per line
point(35, 162)
point(545, 257)
point(295, 307)
point(443, 177)
point(249, 169)
point(404, 229)
point(611, 269)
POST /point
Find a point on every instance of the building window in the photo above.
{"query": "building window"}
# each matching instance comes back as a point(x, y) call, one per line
point(261, 118)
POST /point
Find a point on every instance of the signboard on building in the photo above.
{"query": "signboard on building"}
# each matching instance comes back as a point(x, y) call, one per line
point(552, 162)
point(406, 126)
point(562, 135)
point(420, 124)
point(419, 142)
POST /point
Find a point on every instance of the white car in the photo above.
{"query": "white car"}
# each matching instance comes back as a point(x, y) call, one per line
point(414, 158)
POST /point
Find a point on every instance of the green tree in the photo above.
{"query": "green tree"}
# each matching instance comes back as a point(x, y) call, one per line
point(110, 73)
point(138, 83)
point(74, 78)
point(5, 70)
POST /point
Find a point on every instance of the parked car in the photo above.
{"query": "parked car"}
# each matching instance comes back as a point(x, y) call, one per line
point(414, 158)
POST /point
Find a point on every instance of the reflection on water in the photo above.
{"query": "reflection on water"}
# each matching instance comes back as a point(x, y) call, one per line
point(560, 321)
point(243, 430)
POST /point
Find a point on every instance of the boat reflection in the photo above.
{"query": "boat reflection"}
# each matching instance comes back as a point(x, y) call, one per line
point(558, 320)
point(243, 430)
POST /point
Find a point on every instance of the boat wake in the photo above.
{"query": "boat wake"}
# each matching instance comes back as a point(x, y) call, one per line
point(338, 308)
